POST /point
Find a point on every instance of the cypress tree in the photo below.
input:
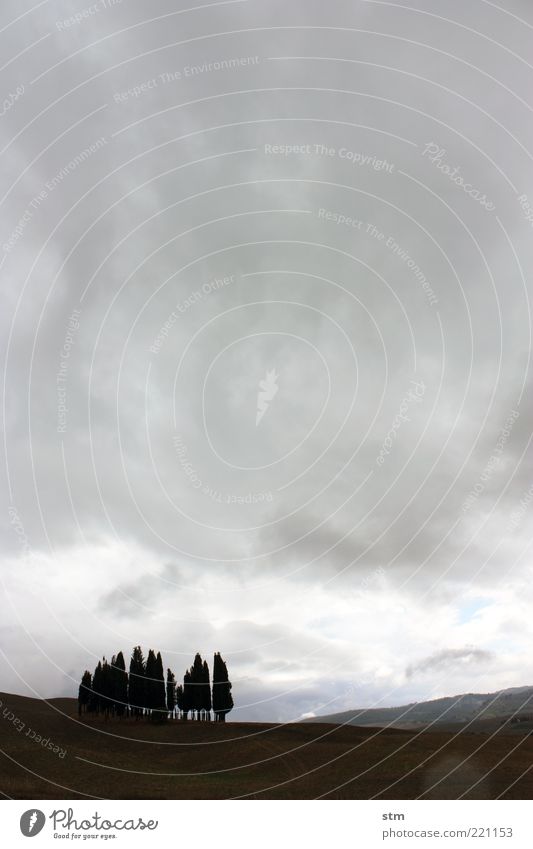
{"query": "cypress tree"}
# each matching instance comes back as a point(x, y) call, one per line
point(187, 695)
point(171, 692)
point(119, 678)
point(179, 700)
point(106, 688)
point(160, 701)
point(206, 691)
point(85, 692)
point(222, 698)
point(114, 686)
point(161, 689)
point(151, 684)
point(137, 682)
point(197, 680)
point(96, 702)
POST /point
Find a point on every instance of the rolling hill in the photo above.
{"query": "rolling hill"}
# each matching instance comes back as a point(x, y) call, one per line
point(513, 707)
point(49, 753)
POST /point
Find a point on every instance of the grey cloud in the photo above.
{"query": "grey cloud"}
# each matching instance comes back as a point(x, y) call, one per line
point(189, 564)
point(447, 658)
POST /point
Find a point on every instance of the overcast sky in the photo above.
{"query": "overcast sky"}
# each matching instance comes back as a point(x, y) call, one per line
point(267, 341)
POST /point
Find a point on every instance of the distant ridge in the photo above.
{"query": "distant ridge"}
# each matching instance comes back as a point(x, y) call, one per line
point(515, 704)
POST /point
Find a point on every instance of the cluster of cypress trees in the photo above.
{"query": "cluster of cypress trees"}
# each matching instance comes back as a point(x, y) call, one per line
point(144, 692)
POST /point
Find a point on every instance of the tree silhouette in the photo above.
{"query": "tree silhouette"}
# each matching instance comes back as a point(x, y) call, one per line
point(179, 699)
point(137, 682)
point(171, 692)
point(96, 695)
point(206, 691)
point(222, 698)
point(150, 682)
point(197, 680)
point(159, 707)
point(85, 692)
point(119, 681)
point(145, 692)
point(187, 695)
point(106, 689)
point(101, 700)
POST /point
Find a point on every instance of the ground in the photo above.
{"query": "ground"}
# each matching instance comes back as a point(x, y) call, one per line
point(49, 753)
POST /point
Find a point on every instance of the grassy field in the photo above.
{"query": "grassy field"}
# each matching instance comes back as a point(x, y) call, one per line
point(48, 753)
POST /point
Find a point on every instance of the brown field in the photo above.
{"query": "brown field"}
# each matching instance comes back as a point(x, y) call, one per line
point(193, 760)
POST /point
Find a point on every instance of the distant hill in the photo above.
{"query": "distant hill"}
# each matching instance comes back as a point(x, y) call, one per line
point(514, 704)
